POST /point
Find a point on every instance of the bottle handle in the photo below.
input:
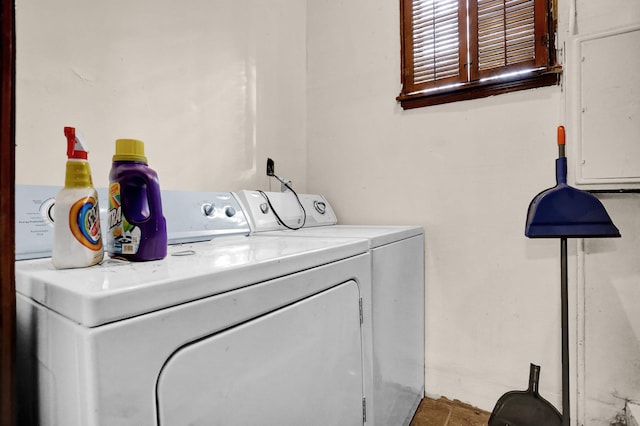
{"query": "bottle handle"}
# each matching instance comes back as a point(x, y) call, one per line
point(152, 198)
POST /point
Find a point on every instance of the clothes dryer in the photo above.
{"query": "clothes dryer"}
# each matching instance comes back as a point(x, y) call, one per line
point(394, 310)
point(233, 331)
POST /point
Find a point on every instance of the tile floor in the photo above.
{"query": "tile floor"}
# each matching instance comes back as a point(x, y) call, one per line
point(444, 412)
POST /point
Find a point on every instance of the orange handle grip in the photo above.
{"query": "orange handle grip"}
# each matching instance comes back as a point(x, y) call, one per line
point(561, 135)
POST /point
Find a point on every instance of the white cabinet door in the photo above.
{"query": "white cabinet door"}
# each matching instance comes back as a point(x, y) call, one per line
point(604, 99)
point(299, 365)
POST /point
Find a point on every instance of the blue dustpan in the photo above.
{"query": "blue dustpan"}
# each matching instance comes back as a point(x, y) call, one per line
point(564, 211)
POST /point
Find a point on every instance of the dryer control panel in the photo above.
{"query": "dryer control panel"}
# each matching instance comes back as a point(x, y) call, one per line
point(267, 210)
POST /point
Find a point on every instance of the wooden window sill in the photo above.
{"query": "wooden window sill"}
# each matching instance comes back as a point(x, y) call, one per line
point(476, 90)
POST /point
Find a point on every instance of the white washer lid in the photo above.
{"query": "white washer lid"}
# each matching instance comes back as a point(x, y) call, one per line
point(375, 235)
point(116, 290)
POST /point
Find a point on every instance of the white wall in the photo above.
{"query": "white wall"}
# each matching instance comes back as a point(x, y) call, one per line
point(610, 362)
point(466, 172)
point(213, 88)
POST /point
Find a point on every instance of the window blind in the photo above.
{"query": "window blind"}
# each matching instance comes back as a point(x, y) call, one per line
point(506, 33)
point(436, 40)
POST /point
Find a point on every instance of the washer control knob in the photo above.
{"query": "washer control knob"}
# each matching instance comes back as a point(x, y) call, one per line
point(47, 208)
point(230, 211)
point(264, 208)
point(208, 209)
point(320, 206)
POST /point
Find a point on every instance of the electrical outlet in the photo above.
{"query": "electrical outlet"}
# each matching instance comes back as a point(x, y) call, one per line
point(270, 167)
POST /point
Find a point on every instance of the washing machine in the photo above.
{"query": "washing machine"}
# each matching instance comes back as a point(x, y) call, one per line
point(395, 304)
point(227, 330)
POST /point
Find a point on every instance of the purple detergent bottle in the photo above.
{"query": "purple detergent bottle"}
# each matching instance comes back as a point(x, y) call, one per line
point(137, 227)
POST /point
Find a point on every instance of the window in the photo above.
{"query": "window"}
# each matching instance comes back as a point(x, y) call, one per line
point(464, 49)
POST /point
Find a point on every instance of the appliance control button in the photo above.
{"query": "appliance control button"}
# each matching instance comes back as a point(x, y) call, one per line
point(320, 207)
point(264, 208)
point(230, 211)
point(208, 209)
point(47, 209)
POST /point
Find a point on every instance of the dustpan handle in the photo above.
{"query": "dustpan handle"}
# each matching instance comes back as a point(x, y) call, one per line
point(561, 161)
point(561, 170)
point(564, 301)
point(534, 378)
point(562, 140)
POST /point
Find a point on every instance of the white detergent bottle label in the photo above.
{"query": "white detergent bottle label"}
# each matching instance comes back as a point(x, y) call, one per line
point(124, 238)
point(77, 239)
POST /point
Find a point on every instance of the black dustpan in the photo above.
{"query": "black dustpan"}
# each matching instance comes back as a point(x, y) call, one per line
point(525, 408)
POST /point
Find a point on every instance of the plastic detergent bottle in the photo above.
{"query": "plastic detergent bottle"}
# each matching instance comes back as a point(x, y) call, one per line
point(137, 228)
point(77, 240)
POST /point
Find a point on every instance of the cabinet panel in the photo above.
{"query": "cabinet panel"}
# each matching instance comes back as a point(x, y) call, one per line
point(607, 108)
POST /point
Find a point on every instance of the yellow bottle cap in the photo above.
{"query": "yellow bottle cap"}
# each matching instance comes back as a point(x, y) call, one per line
point(130, 150)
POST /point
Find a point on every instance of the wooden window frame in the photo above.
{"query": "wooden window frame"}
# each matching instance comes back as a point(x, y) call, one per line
point(541, 71)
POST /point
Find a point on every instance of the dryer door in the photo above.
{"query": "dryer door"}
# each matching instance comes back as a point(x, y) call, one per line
point(298, 365)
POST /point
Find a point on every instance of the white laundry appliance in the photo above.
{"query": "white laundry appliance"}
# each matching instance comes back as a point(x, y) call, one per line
point(233, 331)
point(396, 301)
